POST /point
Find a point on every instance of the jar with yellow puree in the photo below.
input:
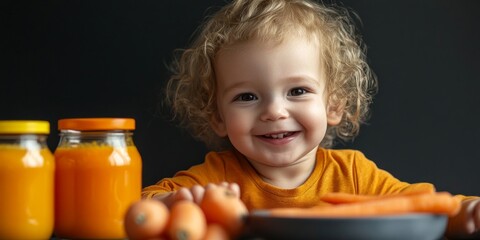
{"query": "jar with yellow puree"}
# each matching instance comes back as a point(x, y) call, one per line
point(98, 176)
point(26, 180)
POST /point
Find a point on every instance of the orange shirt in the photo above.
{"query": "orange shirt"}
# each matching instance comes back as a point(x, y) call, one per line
point(335, 171)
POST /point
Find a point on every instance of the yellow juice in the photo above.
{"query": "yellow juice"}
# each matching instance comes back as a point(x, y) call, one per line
point(26, 193)
point(94, 186)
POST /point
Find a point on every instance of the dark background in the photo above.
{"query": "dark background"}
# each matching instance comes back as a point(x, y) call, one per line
point(62, 59)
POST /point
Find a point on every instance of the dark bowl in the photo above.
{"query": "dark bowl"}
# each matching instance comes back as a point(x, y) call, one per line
point(401, 227)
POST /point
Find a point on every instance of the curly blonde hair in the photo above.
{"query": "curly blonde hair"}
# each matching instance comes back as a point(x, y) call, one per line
point(191, 91)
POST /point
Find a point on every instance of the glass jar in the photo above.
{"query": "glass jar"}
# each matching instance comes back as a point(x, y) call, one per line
point(27, 170)
point(98, 175)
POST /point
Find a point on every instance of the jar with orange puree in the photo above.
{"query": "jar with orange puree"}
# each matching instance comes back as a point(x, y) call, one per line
point(26, 180)
point(98, 176)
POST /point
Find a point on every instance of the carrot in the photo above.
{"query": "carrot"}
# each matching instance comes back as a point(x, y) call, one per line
point(439, 203)
point(145, 219)
point(223, 207)
point(216, 232)
point(187, 221)
point(341, 198)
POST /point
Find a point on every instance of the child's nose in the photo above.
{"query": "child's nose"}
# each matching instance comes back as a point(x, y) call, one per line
point(274, 110)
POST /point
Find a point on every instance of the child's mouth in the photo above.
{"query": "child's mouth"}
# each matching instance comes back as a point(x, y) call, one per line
point(278, 135)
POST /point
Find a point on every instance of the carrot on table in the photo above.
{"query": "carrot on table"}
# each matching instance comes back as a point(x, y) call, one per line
point(145, 219)
point(438, 203)
point(216, 232)
point(223, 207)
point(341, 198)
point(187, 221)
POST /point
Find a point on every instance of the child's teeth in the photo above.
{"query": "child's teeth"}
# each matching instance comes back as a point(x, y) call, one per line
point(276, 136)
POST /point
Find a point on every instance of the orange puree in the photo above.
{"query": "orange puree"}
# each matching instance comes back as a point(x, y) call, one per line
point(95, 184)
point(26, 192)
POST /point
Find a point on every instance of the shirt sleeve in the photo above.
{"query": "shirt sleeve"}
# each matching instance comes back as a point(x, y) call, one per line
point(210, 171)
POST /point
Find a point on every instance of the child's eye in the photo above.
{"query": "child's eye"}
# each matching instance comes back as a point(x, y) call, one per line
point(297, 92)
point(245, 97)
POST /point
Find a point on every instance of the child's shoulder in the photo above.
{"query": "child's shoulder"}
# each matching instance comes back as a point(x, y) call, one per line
point(228, 159)
point(341, 155)
point(222, 157)
point(340, 152)
point(226, 154)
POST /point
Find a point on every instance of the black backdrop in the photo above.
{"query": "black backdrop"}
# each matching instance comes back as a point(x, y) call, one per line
point(64, 59)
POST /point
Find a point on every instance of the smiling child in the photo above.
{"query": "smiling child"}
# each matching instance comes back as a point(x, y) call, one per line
point(272, 85)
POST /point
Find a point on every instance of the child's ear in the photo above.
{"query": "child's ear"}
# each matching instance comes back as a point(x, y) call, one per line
point(335, 113)
point(218, 125)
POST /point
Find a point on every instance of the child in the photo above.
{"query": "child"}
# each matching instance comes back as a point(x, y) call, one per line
point(273, 84)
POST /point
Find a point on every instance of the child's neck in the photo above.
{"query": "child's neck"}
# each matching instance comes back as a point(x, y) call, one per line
point(288, 177)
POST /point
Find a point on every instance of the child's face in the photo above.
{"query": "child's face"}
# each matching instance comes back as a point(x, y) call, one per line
point(271, 100)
